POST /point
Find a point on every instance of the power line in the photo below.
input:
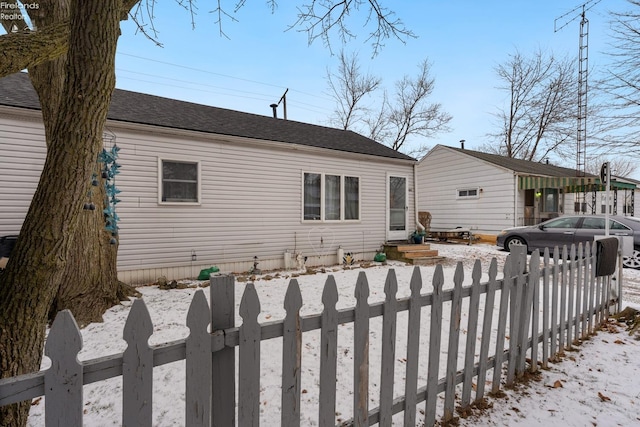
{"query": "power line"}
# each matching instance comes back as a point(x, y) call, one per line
point(219, 74)
point(263, 97)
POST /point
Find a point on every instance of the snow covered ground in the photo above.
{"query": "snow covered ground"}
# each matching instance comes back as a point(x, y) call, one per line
point(593, 386)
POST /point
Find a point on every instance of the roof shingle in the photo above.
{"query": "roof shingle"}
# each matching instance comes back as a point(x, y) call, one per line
point(133, 107)
point(519, 165)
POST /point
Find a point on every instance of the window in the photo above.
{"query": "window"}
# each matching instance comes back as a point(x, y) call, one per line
point(351, 198)
point(549, 200)
point(329, 197)
point(179, 181)
point(599, 224)
point(566, 222)
point(468, 193)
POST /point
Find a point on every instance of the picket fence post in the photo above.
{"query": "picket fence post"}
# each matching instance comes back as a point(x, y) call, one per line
point(137, 368)
point(361, 353)
point(328, 354)
point(223, 362)
point(291, 357)
point(198, 364)
point(579, 283)
point(63, 380)
point(472, 331)
point(388, 348)
point(452, 352)
point(507, 283)
point(249, 359)
point(486, 326)
point(435, 339)
point(413, 349)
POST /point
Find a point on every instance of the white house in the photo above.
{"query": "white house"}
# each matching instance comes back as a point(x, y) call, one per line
point(204, 186)
point(487, 193)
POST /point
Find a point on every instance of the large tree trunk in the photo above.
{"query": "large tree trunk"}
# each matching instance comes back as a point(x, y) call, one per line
point(38, 264)
point(90, 284)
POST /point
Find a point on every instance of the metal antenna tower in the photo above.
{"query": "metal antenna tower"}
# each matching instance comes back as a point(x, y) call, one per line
point(583, 72)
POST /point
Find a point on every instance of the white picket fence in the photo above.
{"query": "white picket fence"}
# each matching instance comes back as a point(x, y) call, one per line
point(544, 308)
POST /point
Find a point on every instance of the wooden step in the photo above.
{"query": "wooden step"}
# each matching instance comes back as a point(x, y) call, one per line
point(416, 254)
point(420, 253)
point(410, 248)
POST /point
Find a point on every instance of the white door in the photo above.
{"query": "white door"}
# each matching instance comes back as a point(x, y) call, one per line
point(397, 208)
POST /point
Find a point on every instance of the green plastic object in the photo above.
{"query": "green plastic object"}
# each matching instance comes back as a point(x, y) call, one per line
point(205, 273)
point(380, 257)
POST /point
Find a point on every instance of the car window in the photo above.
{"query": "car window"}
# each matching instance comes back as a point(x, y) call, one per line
point(615, 225)
point(568, 222)
point(593, 223)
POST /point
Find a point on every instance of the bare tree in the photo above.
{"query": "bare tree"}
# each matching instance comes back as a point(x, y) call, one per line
point(349, 87)
point(620, 86)
point(396, 121)
point(71, 62)
point(620, 166)
point(540, 113)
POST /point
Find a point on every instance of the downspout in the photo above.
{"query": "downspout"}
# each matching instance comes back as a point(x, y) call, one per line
point(515, 199)
point(419, 226)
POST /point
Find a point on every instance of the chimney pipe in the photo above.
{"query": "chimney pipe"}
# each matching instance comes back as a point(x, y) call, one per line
point(275, 112)
point(462, 143)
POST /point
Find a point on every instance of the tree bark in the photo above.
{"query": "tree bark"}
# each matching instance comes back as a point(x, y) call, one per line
point(90, 283)
point(38, 264)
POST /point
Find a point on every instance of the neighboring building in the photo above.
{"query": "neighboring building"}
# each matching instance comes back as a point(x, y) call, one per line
point(487, 193)
point(204, 186)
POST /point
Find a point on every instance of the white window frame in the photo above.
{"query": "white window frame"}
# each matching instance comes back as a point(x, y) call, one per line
point(160, 180)
point(323, 201)
point(461, 196)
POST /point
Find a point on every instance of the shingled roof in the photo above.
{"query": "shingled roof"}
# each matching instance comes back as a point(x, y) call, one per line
point(133, 107)
point(521, 166)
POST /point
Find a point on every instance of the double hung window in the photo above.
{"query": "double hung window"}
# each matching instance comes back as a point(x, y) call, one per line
point(328, 197)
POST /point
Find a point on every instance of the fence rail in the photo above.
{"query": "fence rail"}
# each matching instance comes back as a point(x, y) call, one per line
point(543, 308)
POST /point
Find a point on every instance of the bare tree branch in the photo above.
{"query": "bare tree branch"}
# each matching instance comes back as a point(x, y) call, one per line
point(348, 87)
point(539, 118)
point(620, 87)
point(407, 117)
point(26, 48)
point(324, 19)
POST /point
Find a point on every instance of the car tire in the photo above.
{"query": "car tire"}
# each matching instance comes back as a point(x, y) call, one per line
point(632, 261)
point(514, 240)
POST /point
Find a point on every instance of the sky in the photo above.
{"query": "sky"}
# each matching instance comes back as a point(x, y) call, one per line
point(258, 58)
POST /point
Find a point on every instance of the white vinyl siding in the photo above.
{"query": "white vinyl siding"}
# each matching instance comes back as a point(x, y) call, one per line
point(250, 200)
point(443, 173)
point(22, 155)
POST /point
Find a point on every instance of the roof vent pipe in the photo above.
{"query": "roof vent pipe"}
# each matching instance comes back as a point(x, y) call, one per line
point(462, 143)
point(275, 111)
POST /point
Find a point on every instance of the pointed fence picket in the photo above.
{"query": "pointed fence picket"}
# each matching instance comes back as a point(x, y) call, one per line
point(544, 308)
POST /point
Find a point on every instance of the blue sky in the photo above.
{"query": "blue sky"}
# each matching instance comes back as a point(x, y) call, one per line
point(463, 39)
